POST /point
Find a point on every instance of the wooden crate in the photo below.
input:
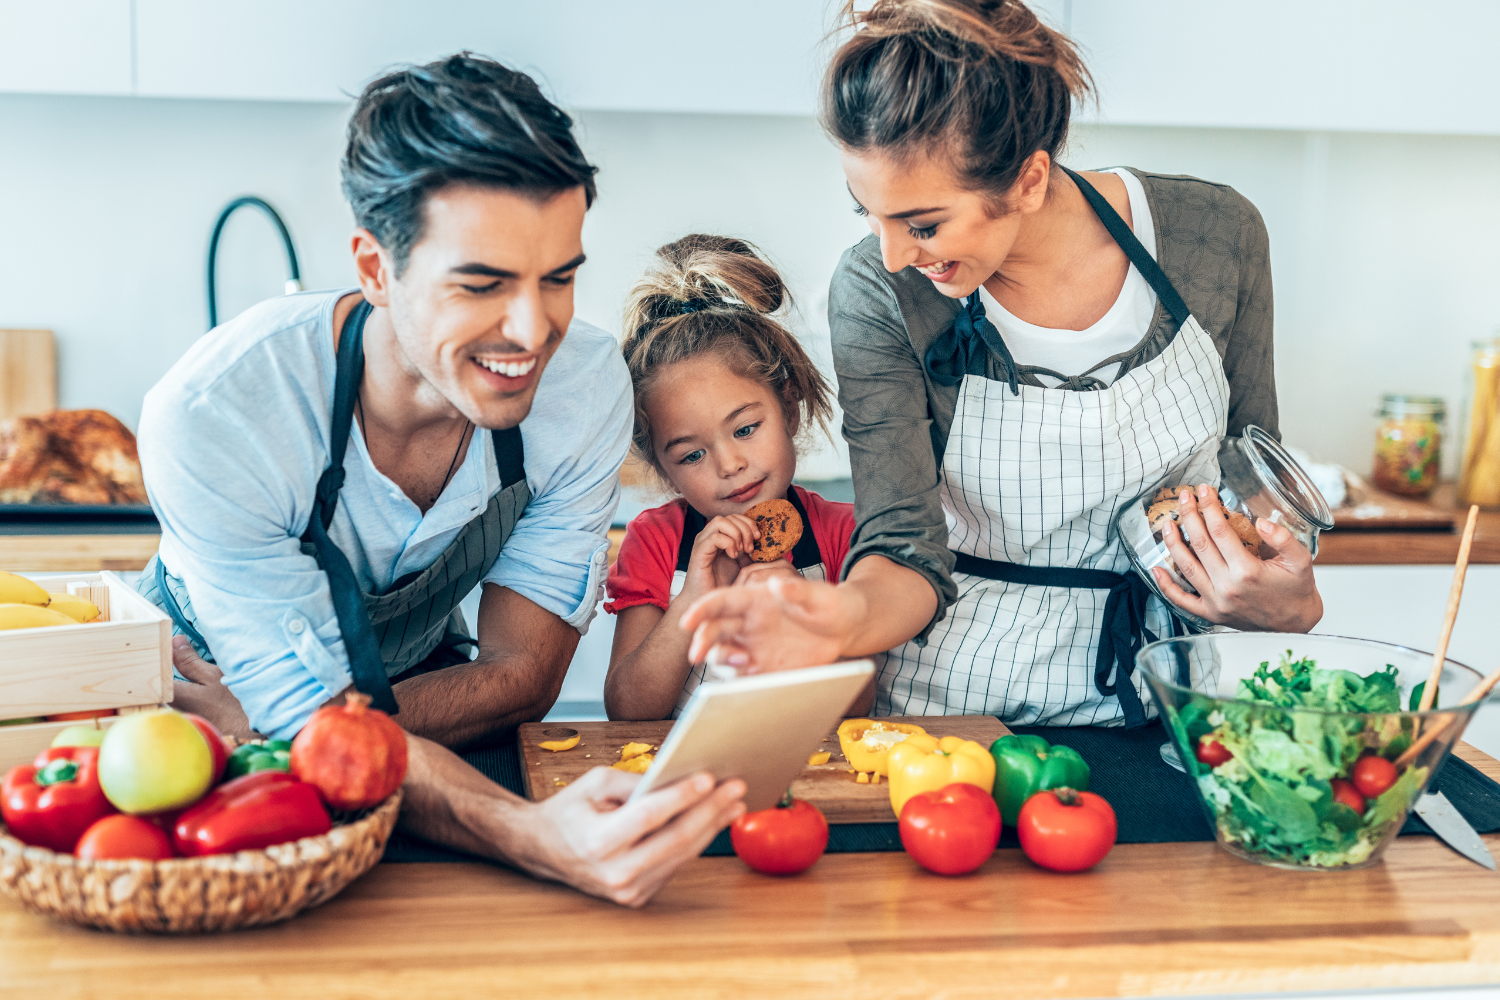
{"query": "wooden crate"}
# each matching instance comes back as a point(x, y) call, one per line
point(124, 662)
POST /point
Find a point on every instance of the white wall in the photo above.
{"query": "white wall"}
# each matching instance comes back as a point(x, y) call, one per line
point(1383, 246)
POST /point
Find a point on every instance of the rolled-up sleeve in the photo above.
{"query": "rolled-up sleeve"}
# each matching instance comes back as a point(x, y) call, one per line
point(225, 501)
point(557, 556)
point(887, 423)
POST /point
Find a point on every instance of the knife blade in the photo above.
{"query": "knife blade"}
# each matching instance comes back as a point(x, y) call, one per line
point(1451, 827)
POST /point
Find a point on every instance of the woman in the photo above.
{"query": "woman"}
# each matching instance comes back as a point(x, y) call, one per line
point(1014, 364)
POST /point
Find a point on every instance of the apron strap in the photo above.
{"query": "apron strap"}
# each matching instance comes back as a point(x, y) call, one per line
point(1124, 627)
point(960, 350)
point(174, 610)
point(510, 455)
point(360, 644)
point(1143, 261)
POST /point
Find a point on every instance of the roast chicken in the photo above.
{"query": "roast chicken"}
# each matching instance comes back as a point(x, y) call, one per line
point(69, 456)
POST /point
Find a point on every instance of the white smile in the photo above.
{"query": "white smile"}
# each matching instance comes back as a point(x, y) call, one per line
point(510, 369)
point(932, 269)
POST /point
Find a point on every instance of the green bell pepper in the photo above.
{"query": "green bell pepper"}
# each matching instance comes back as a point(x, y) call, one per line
point(253, 757)
point(1025, 765)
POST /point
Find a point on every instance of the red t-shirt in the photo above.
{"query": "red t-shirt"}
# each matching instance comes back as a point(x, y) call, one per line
point(653, 557)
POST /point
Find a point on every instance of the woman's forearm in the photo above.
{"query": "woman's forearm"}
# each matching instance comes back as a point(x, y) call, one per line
point(887, 605)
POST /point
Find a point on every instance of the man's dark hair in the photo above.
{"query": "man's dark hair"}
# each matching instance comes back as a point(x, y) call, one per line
point(461, 120)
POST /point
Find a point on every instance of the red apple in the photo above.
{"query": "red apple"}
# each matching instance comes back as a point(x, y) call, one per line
point(216, 744)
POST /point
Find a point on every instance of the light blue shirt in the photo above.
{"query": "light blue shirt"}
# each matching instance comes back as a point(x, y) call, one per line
point(234, 438)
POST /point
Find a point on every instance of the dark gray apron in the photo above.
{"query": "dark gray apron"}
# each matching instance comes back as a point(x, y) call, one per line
point(416, 625)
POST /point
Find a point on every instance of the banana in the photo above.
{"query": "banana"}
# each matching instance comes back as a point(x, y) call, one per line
point(31, 616)
point(76, 608)
point(19, 590)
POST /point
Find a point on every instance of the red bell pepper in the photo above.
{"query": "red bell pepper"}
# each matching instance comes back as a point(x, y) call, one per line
point(51, 801)
point(246, 814)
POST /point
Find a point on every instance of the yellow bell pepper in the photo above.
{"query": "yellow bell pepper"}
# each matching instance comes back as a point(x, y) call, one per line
point(819, 759)
point(630, 750)
point(922, 763)
point(865, 743)
point(558, 746)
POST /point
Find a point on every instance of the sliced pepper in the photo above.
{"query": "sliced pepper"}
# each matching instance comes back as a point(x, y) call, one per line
point(866, 742)
point(249, 813)
point(558, 746)
point(54, 799)
point(923, 763)
point(818, 759)
point(1025, 765)
point(638, 764)
point(630, 750)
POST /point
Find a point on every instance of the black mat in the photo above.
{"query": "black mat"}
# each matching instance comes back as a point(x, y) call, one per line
point(1154, 802)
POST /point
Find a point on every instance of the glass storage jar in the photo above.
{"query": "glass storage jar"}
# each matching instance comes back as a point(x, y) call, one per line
point(1408, 444)
point(1479, 475)
point(1257, 477)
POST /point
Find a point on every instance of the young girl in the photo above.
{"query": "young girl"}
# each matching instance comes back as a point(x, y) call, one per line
point(721, 390)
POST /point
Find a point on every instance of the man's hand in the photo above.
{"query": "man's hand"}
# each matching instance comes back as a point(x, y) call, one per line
point(204, 693)
point(589, 837)
point(1235, 586)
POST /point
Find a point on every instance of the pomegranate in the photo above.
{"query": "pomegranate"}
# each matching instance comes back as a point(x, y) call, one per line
point(354, 754)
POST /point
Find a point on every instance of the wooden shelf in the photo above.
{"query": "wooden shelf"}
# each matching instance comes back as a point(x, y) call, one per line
point(65, 553)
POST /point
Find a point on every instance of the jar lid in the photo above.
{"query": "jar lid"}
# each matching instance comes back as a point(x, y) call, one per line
point(1434, 406)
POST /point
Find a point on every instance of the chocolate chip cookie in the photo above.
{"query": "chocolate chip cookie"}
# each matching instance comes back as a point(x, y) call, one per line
point(780, 528)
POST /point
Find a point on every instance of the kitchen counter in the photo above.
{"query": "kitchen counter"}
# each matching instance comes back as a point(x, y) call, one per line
point(1152, 918)
point(1369, 547)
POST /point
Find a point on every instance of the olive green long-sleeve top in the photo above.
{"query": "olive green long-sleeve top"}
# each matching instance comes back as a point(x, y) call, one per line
point(1210, 241)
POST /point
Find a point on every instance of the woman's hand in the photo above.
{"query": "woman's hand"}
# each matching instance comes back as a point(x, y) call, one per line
point(720, 550)
point(777, 621)
point(204, 693)
point(1235, 586)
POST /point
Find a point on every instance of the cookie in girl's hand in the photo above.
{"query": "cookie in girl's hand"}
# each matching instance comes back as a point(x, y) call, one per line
point(780, 528)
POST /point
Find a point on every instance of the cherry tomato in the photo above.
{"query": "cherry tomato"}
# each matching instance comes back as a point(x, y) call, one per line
point(1066, 831)
point(215, 743)
point(783, 840)
point(122, 836)
point(1373, 775)
point(951, 831)
point(1212, 752)
point(1346, 793)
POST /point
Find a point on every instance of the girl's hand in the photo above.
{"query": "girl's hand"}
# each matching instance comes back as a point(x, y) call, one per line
point(1235, 586)
point(720, 550)
point(756, 574)
point(777, 621)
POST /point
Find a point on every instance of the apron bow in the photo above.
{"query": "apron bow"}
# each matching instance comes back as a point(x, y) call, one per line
point(960, 350)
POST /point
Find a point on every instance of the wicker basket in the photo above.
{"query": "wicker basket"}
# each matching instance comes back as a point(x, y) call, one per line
point(219, 892)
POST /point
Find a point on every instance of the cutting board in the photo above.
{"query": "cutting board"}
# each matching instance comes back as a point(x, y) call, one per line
point(28, 373)
point(831, 786)
point(1376, 510)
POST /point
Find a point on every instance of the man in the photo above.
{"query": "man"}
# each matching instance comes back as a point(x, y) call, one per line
point(335, 471)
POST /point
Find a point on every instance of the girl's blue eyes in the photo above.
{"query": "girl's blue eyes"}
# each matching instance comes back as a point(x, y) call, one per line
point(694, 457)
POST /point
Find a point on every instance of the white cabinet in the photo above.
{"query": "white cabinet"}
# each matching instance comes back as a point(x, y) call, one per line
point(65, 47)
point(665, 55)
point(1354, 65)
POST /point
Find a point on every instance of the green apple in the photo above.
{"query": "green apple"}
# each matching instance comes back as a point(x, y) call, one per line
point(154, 761)
point(79, 736)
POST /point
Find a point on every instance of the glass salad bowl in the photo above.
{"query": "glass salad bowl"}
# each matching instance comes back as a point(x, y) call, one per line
point(1297, 745)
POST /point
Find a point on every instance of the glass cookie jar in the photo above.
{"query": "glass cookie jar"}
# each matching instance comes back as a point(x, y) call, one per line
point(1257, 478)
point(1408, 444)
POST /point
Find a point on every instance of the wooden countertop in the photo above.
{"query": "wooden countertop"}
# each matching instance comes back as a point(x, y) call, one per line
point(1373, 547)
point(1152, 918)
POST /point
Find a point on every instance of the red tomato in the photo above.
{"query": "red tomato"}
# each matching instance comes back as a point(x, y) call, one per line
point(215, 744)
point(1348, 795)
point(783, 840)
point(1066, 831)
point(1212, 752)
point(1373, 775)
point(951, 831)
point(122, 836)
